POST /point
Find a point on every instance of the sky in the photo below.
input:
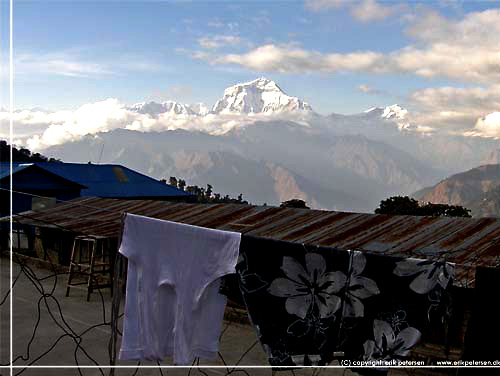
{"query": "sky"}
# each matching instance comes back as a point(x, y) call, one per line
point(440, 59)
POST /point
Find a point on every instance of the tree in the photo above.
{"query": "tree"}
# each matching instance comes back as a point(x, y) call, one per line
point(398, 205)
point(444, 210)
point(205, 195)
point(181, 184)
point(172, 181)
point(21, 155)
point(294, 203)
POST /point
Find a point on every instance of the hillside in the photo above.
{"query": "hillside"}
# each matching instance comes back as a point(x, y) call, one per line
point(477, 189)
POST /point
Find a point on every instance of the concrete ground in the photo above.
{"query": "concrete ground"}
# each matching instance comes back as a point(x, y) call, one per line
point(68, 331)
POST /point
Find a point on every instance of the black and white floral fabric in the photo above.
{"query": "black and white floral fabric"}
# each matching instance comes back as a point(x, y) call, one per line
point(308, 302)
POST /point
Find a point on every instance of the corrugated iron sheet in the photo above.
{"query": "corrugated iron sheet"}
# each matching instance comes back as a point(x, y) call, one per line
point(464, 241)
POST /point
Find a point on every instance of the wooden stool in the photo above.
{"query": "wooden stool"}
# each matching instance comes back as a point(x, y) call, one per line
point(90, 256)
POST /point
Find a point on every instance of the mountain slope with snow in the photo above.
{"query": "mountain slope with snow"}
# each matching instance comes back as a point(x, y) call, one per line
point(259, 96)
point(154, 108)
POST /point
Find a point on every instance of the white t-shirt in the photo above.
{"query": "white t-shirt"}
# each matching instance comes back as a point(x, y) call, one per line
point(173, 306)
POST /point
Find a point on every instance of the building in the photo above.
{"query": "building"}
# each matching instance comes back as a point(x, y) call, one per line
point(40, 185)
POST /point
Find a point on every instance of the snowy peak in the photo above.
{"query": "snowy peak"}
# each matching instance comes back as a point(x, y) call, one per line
point(394, 112)
point(176, 108)
point(259, 96)
point(169, 107)
point(199, 109)
point(148, 108)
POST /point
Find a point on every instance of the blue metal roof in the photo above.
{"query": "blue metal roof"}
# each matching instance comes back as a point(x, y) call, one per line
point(103, 180)
point(5, 169)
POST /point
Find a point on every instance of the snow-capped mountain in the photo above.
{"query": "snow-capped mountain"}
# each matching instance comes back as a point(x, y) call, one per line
point(259, 96)
point(170, 107)
point(154, 108)
point(199, 109)
point(395, 112)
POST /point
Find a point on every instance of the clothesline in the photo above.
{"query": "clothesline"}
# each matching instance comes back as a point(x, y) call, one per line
point(330, 299)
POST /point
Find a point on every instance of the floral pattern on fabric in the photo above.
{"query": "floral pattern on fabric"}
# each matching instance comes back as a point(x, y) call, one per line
point(323, 300)
point(387, 344)
point(359, 287)
point(309, 288)
point(429, 273)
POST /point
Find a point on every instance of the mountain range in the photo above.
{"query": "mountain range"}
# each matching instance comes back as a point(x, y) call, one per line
point(272, 147)
point(258, 96)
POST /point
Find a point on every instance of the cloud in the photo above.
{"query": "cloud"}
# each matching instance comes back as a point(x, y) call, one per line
point(74, 64)
point(367, 89)
point(488, 126)
point(466, 50)
point(60, 64)
point(291, 59)
point(262, 19)
point(218, 41)
point(455, 109)
point(88, 119)
point(317, 5)
point(363, 10)
point(370, 10)
point(215, 23)
point(468, 100)
point(39, 129)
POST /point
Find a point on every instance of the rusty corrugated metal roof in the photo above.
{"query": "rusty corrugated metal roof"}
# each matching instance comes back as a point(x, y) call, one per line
point(464, 241)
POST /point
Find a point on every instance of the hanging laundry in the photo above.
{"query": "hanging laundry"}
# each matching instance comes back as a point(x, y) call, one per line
point(294, 296)
point(307, 303)
point(172, 306)
point(413, 302)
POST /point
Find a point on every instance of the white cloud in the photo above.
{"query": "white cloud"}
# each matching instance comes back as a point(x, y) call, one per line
point(370, 10)
point(362, 10)
point(261, 20)
point(216, 24)
point(219, 41)
point(367, 89)
point(39, 130)
point(60, 64)
point(489, 125)
point(464, 100)
point(455, 109)
point(87, 119)
point(73, 63)
point(317, 5)
point(466, 50)
point(293, 59)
